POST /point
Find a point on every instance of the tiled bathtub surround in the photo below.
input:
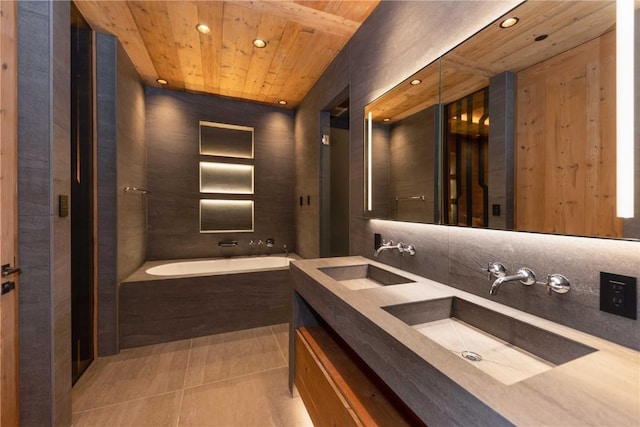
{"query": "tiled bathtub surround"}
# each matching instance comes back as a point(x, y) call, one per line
point(458, 257)
point(171, 308)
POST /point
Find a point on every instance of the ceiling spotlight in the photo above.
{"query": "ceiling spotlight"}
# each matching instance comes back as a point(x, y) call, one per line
point(386, 119)
point(162, 81)
point(282, 102)
point(259, 43)
point(509, 22)
point(541, 37)
point(203, 28)
point(415, 82)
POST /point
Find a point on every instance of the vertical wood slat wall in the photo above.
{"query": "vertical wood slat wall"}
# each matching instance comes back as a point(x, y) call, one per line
point(565, 156)
point(8, 247)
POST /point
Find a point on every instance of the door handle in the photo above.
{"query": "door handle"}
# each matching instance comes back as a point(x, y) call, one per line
point(7, 270)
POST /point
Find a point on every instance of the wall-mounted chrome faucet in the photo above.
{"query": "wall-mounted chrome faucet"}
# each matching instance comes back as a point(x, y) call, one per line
point(401, 247)
point(524, 276)
point(555, 282)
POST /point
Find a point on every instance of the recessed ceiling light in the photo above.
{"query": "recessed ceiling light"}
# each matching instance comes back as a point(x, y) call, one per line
point(541, 37)
point(203, 28)
point(282, 102)
point(415, 82)
point(259, 43)
point(386, 119)
point(509, 22)
point(162, 81)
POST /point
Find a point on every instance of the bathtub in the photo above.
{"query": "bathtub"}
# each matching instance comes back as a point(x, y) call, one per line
point(174, 300)
point(219, 266)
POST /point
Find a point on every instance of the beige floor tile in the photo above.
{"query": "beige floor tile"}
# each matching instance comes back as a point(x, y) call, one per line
point(223, 356)
point(256, 400)
point(152, 411)
point(239, 379)
point(132, 374)
point(281, 332)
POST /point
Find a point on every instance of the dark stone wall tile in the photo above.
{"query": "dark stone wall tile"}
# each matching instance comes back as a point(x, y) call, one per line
point(172, 129)
point(61, 184)
point(131, 166)
point(122, 162)
point(307, 152)
point(34, 204)
point(173, 309)
point(579, 259)
point(106, 81)
point(44, 250)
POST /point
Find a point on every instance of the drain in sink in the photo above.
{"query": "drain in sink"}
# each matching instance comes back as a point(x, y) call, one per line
point(470, 355)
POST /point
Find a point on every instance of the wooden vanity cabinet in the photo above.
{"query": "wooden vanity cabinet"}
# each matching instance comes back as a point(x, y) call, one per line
point(338, 389)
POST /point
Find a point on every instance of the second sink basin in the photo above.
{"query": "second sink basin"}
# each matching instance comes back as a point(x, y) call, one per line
point(506, 348)
point(364, 276)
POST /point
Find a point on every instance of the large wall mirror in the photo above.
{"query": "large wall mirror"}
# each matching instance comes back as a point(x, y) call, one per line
point(513, 129)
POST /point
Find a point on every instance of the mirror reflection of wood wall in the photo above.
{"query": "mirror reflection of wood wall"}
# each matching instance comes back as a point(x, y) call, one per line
point(565, 156)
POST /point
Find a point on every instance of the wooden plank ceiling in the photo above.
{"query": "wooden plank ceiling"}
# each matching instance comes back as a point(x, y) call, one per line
point(160, 37)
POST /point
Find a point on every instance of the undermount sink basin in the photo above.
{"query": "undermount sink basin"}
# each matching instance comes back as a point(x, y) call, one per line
point(503, 347)
point(364, 276)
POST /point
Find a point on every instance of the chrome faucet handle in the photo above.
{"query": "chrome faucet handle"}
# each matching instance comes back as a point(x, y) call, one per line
point(496, 269)
point(557, 283)
point(403, 247)
point(528, 277)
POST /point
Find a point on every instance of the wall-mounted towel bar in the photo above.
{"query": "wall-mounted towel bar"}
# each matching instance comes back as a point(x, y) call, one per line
point(136, 190)
point(422, 198)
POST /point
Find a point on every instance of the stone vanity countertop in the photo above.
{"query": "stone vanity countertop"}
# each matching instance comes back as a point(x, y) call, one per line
point(601, 388)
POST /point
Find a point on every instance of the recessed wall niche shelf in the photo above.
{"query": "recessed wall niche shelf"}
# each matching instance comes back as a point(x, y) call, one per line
point(226, 178)
point(224, 140)
point(226, 216)
point(226, 168)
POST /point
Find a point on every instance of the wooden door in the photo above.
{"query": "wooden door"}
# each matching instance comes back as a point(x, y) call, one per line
point(8, 215)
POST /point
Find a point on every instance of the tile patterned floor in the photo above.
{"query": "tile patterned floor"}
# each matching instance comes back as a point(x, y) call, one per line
point(236, 379)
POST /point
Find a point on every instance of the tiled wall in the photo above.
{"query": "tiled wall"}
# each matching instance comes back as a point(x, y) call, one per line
point(397, 40)
point(172, 135)
point(307, 153)
point(121, 162)
point(45, 239)
point(132, 167)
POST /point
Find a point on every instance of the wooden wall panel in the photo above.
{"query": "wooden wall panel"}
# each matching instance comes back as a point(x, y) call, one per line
point(8, 212)
point(565, 161)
